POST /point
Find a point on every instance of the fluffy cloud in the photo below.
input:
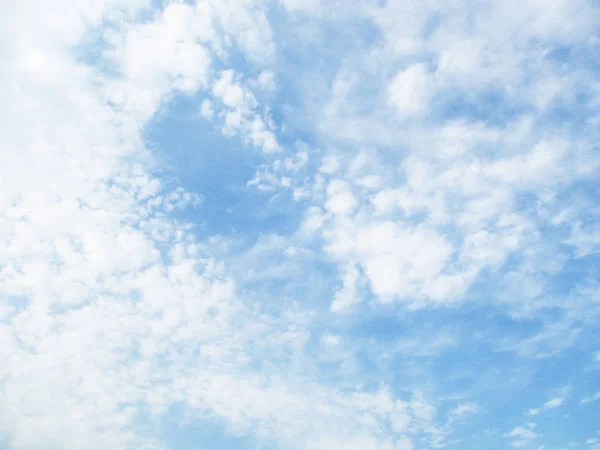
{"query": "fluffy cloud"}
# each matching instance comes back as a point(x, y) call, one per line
point(239, 114)
point(112, 311)
point(410, 91)
point(450, 156)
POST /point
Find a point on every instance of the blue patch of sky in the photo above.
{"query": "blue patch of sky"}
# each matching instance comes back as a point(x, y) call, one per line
point(218, 168)
point(492, 106)
point(305, 71)
point(183, 430)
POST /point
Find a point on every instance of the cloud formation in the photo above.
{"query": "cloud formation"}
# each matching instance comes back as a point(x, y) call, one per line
point(297, 225)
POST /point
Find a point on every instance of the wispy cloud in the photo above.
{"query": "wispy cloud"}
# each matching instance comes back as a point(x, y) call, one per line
point(590, 398)
point(550, 404)
point(521, 436)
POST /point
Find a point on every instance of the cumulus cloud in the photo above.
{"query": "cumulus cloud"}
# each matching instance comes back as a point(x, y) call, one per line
point(439, 163)
point(112, 310)
point(410, 91)
point(341, 200)
point(239, 116)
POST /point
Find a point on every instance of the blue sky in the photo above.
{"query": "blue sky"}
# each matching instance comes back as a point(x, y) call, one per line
point(299, 225)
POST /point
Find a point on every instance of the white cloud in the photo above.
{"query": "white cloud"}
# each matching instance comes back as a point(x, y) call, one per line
point(231, 94)
point(533, 168)
point(330, 165)
point(521, 433)
point(312, 6)
point(476, 195)
point(206, 109)
point(341, 199)
point(400, 262)
point(169, 47)
point(410, 91)
point(465, 408)
point(521, 436)
point(550, 404)
point(239, 113)
point(346, 297)
point(170, 52)
point(370, 181)
point(462, 58)
point(114, 311)
point(266, 81)
point(421, 409)
point(299, 194)
point(294, 164)
point(282, 174)
point(330, 340)
point(591, 398)
point(315, 217)
point(246, 22)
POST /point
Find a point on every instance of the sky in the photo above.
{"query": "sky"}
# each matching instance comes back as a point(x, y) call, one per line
point(299, 225)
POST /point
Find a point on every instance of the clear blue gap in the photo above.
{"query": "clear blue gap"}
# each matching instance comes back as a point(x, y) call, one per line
point(183, 430)
point(218, 168)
